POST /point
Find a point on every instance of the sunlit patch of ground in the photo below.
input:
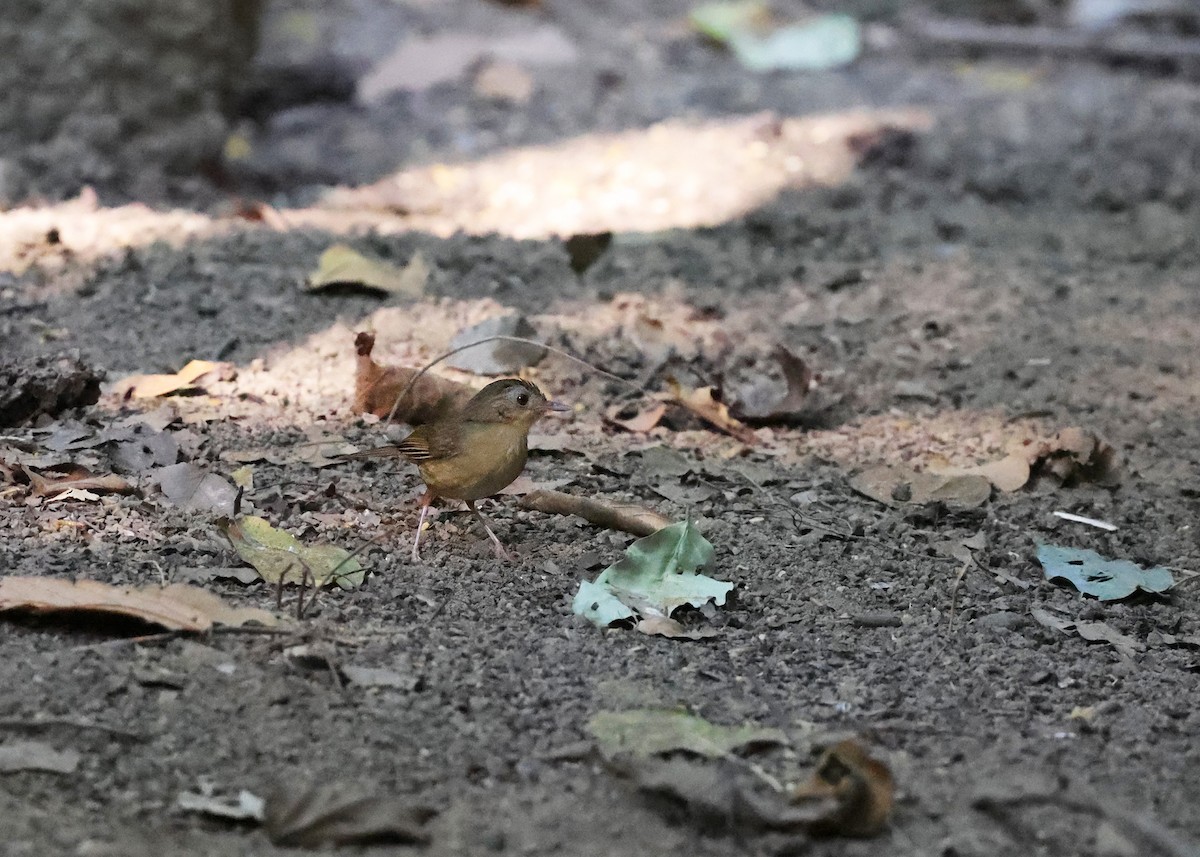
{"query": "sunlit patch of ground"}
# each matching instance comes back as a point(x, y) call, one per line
point(671, 175)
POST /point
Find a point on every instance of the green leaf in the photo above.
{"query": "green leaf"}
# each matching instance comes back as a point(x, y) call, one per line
point(653, 731)
point(600, 605)
point(720, 21)
point(819, 43)
point(657, 575)
point(1107, 579)
point(277, 555)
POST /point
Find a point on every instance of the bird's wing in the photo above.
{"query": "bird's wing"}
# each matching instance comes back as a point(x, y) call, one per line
point(426, 443)
point(429, 442)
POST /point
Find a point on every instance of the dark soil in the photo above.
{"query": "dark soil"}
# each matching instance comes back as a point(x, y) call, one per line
point(1025, 264)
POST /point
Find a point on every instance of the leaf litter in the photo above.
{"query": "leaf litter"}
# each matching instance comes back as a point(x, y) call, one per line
point(1126, 646)
point(1106, 579)
point(342, 814)
point(153, 386)
point(658, 575)
point(177, 607)
point(702, 772)
point(279, 557)
point(650, 731)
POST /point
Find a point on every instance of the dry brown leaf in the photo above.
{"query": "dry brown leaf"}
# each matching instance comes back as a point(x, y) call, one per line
point(626, 517)
point(665, 626)
point(1073, 455)
point(341, 814)
point(150, 386)
point(798, 377)
point(891, 484)
point(1077, 455)
point(703, 404)
point(177, 607)
point(77, 478)
point(861, 789)
point(376, 388)
point(640, 422)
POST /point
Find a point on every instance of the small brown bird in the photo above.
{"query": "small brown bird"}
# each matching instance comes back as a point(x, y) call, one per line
point(475, 452)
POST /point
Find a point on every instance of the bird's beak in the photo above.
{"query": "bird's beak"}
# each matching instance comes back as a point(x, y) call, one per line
point(557, 406)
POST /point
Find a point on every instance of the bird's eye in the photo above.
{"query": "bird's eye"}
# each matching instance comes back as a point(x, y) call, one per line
point(522, 399)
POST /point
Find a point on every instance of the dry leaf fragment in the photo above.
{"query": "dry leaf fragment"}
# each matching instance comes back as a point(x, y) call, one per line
point(504, 81)
point(75, 478)
point(665, 626)
point(861, 787)
point(640, 422)
point(376, 388)
point(797, 376)
point(177, 607)
point(1126, 646)
point(1076, 455)
point(340, 814)
point(892, 484)
point(278, 556)
point(342, 265)
point(36, 756)
point(707, 407)
point(191, 487)
point(1072, 456)
point(150, 386)
point(626, 517)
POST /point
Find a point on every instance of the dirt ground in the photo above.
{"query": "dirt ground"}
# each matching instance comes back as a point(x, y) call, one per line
point(968, 251)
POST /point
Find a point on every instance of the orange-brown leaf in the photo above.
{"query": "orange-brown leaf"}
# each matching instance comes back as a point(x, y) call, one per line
point(706, 406)
point(859, 790)
point(377, 387)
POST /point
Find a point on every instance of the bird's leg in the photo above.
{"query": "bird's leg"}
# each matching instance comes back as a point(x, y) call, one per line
point(498, 548)
point(426, 499)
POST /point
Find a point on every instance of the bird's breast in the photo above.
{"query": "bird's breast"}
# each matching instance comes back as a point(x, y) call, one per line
point(488, 462)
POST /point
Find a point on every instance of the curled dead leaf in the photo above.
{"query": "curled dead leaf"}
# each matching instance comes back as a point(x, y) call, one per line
point(797, 376)
point(73, 477)
point(640, 422)
point(704, 404)
point(377, 387)
point(341, 814)
point(150, 386)
point(858, 790)
point(177, 607)
point(1072, 456)
point(892, 484)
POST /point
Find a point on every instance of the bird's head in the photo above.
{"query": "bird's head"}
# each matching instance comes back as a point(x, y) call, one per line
point(512, 401)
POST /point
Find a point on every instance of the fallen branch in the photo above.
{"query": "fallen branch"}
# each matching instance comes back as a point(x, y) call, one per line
point(626, 517)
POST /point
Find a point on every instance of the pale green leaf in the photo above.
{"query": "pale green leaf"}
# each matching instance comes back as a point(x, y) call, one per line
point(658, 574)
point(277, 555)
point(1107, 579)
point(652, 731)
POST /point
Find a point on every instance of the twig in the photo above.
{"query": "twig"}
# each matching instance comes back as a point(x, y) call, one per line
point(948, 32)
point(37, 723)
point(520, 339)
point(626, 517)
